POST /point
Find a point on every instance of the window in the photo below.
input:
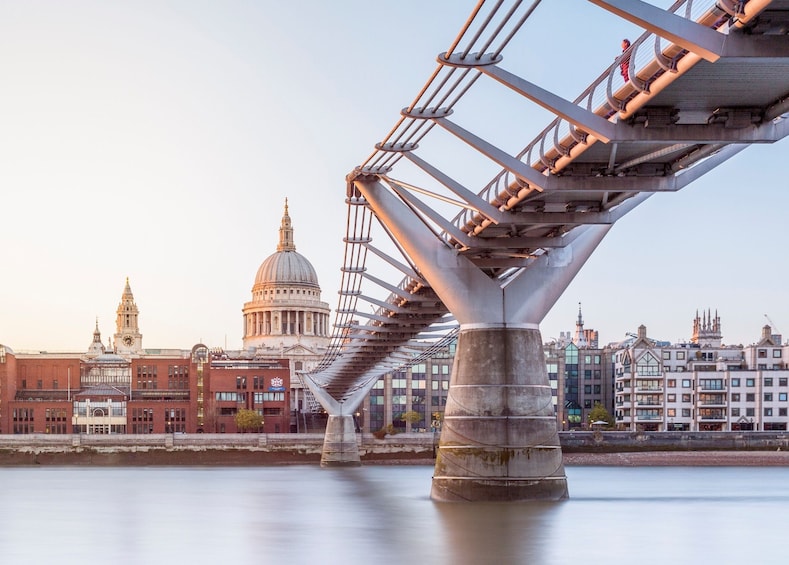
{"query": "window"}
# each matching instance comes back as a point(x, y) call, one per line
point(783, 381)
point(750, 412)
point(685, 398)
point(762, 353)
point(768, 396)
point(768, 381)
point(667, 355)
point(671, 397)
point(686, 412)
point(261, 397)
point(750, 397)
point(672, 383)
point(735, 382)
point(782, 411)
point(146, 377)
point(776, 353)
point(735, 397)
point(735, 412)
point(680, 355)
point(648, 365)
point(782, 396)
point(750, 382)
point(768, 411)
point(711, 384)
point(178, 377)
point(685, 383)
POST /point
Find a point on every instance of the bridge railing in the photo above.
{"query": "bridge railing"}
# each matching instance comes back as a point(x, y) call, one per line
point(649, 57)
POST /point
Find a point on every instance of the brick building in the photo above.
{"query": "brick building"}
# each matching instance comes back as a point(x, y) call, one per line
point(134, 391)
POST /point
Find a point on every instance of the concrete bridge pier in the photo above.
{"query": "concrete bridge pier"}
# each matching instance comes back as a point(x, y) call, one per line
point(340, 445)
point(499, 440)
point(340, 448)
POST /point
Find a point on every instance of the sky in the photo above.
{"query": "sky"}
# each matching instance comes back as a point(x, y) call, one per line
point(158, 140)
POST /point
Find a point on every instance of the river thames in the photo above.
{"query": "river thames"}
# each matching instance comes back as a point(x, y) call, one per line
point(383, 514)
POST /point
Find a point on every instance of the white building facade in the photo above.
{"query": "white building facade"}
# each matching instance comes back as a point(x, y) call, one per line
point(702, 385)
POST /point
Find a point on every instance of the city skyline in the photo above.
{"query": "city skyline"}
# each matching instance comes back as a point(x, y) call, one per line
point(158, 141)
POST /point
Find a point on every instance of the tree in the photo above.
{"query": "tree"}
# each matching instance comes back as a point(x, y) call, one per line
point(248, 420)
point(411, 417)
point(600, 414)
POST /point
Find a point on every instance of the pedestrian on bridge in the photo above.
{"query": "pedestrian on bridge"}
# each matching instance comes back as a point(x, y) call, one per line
point(624, 63)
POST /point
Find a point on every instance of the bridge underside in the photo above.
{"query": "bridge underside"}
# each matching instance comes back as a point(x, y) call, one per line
point(697, 88)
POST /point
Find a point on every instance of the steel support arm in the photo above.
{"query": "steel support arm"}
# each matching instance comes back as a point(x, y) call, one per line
point(696, 38)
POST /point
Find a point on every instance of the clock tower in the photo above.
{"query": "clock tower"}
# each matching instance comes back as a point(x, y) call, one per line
point(128, 338)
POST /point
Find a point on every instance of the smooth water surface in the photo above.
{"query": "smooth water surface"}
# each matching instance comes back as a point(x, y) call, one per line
point(383, 514)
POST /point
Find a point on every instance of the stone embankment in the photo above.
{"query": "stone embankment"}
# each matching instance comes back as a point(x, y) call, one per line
point(579, 448)
point(200, 449)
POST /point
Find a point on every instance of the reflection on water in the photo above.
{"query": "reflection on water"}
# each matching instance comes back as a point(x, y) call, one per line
point(304, 514)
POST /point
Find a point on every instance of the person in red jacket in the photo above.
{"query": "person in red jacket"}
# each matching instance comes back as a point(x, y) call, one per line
point(624, 64)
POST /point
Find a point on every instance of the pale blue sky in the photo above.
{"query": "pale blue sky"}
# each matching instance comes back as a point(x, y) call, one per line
point(158, 140)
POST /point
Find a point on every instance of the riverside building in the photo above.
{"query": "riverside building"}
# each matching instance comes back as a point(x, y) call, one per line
point(580, 375)
point(701, 385)
point(127, 389)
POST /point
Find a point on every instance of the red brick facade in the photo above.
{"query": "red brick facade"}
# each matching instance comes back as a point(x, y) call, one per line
point(189, 392)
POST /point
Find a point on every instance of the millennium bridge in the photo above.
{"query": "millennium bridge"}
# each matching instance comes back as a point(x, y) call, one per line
point(484, 264)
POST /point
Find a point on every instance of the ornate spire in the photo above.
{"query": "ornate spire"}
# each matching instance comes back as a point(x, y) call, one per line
point(286, 233)
point(127, 327)
point(707, 329)
point(127, 292)
point(580, 334)
point(97, 333)
point(96, 348)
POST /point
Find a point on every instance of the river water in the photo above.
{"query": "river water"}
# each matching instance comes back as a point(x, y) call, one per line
point(383, 514)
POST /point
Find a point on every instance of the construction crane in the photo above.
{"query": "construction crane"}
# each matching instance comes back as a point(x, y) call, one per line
point(772, 325)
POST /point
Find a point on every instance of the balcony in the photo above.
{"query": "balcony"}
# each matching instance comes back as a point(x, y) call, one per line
point(707, 399)
point(649, 388)
point(649, 418)
point(712, 415)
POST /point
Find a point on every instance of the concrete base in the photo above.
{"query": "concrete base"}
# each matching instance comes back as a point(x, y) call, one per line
point(339, 444)
point(499, 440)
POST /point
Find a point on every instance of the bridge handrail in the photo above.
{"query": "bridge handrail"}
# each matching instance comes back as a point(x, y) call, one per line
point(612, 98)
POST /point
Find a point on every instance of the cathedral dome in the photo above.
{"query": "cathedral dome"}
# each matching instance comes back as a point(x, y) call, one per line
point(286, 310)
point(286, 266)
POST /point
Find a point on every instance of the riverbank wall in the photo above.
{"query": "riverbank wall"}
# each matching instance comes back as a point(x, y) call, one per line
point(272, 449)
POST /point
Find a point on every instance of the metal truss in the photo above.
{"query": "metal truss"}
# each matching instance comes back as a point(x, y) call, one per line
point(707, 79)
